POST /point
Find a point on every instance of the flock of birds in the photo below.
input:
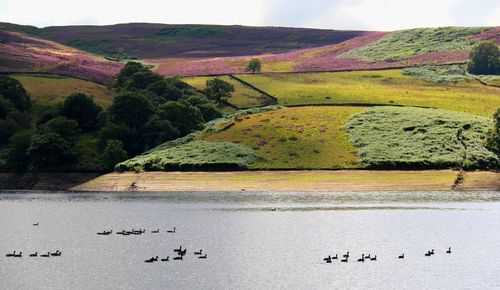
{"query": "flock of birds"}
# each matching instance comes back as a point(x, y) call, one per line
point(180, 252)
point(368, 257)
point(35, 254)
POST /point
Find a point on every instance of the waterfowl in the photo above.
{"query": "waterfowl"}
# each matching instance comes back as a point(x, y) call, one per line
point(178, 258)
point(45, 255)
point(171, 231)
point(166, 259)
point(325, 259)
point(203, 257)
point(274, 209)
point(449, 250)
point(402, 256)
point(428, 254)
point(432, 252)
point(335, 257)
point(344, 260)
point(179, 249)
point(362, 258)
point(346, 255)
point(36, 225)
point(56, 254)
point(20, 255)
point(156, 231)
point(183, 253)
point(34, 255)
point(368, 257)
point(152, 259)
point(198, 253)
point(374, 258)
point(106, 233)
point(11, 255)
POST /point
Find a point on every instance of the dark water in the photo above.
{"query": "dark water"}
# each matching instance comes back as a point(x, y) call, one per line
point(248, 245)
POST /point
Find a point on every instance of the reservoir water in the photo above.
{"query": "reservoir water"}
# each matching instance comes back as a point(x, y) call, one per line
point(252, 240)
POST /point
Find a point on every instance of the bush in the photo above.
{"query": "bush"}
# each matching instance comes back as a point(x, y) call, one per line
point(493, 142)
point(484, 59)
point(113, 154)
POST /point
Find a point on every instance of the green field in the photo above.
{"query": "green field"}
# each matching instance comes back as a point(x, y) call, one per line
point(243, 96)
point(377, 87)
point(51, 89)
point(397, 137)
point(306, 137)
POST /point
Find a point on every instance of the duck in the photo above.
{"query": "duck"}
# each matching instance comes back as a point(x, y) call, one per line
point(36, 225)
point(362, 258)
point(178, 258)
point(449, 250)
point(56, 254)
point(198, 253)
point(11, 255)
point(166, 259)
point(34, 255)
point(155, 231)
point(151, 260)
point(346, 255)
point(402, 256)
point(45, 255)
point(374, 258)
point(203, 257)
point(171, 231)
point(20, 255)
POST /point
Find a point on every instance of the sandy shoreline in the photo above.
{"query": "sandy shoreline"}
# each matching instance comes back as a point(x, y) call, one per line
point(315, 180)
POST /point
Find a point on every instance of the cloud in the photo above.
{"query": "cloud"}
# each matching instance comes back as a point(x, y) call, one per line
point(333, 14)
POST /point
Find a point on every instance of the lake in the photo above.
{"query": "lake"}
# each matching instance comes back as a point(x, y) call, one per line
point(252, 240)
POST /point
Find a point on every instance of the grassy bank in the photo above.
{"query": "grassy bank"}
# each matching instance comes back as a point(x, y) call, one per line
point(345, 180)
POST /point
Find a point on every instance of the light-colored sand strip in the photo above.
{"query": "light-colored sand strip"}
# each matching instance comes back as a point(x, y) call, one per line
point(346, 180)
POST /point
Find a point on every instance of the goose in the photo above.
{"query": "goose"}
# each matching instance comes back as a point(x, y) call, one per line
point(152, 259)
point(34, 255)
point(156, 231)
point(362, 258)
point(178, 258)
point(11, 255)
point(346, 255)
point(374, 258)
point(20, 255)
point(368, 257)
point(449, 250)
point(36, 225)
point(344, 260)
point(335, 257)
point(203, 257)
point(182, 253)
point(402, 256)
point(56, 254)
point(171, 231)
point(428, 254)
point(198, 253)
point(45, 255)
point(328, 258)
point(179, 249)
point(166, 259)
point(432, 252)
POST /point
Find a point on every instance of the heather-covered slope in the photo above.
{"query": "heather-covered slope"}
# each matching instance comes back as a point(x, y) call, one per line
point(147, 40)
point(22, 53)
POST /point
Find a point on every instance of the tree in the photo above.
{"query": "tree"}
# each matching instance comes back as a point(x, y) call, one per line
point(6, 107)
point(166, 90)
point(254, 65)
point(484, 59)
point(113, 154)
point(62, 126)
point(132, 141)
point(157, 131)
point(7, 129)
point(17, 158)
point(83, 109)
point(13, 90)
point(50, 151)
point(493, 142)
point(218, 90)
point(184, 117)
point(208, 111)
point(127, 71)
point(131, 109)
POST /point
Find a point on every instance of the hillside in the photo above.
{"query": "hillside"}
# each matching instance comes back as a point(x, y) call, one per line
point(147, 40)
point(22, 53)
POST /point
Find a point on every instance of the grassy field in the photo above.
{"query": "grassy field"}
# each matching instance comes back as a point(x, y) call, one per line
point(377, 87)
point(306, 137)
point(397, 137)
point(344, 180)
point(50, 89)
point(243, 96)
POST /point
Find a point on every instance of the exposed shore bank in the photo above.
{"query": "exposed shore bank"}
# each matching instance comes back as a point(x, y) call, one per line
point(315, 180)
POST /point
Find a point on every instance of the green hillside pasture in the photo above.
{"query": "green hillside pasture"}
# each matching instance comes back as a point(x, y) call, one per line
point(397, 137)
point(51, 89)
point(404, 44)
point(387, 87)
point(243, 96)
point(294, 138)
point(196, 155)
point(448, 74)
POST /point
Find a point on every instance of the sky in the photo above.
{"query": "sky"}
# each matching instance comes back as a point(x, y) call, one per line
point(328, 14)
